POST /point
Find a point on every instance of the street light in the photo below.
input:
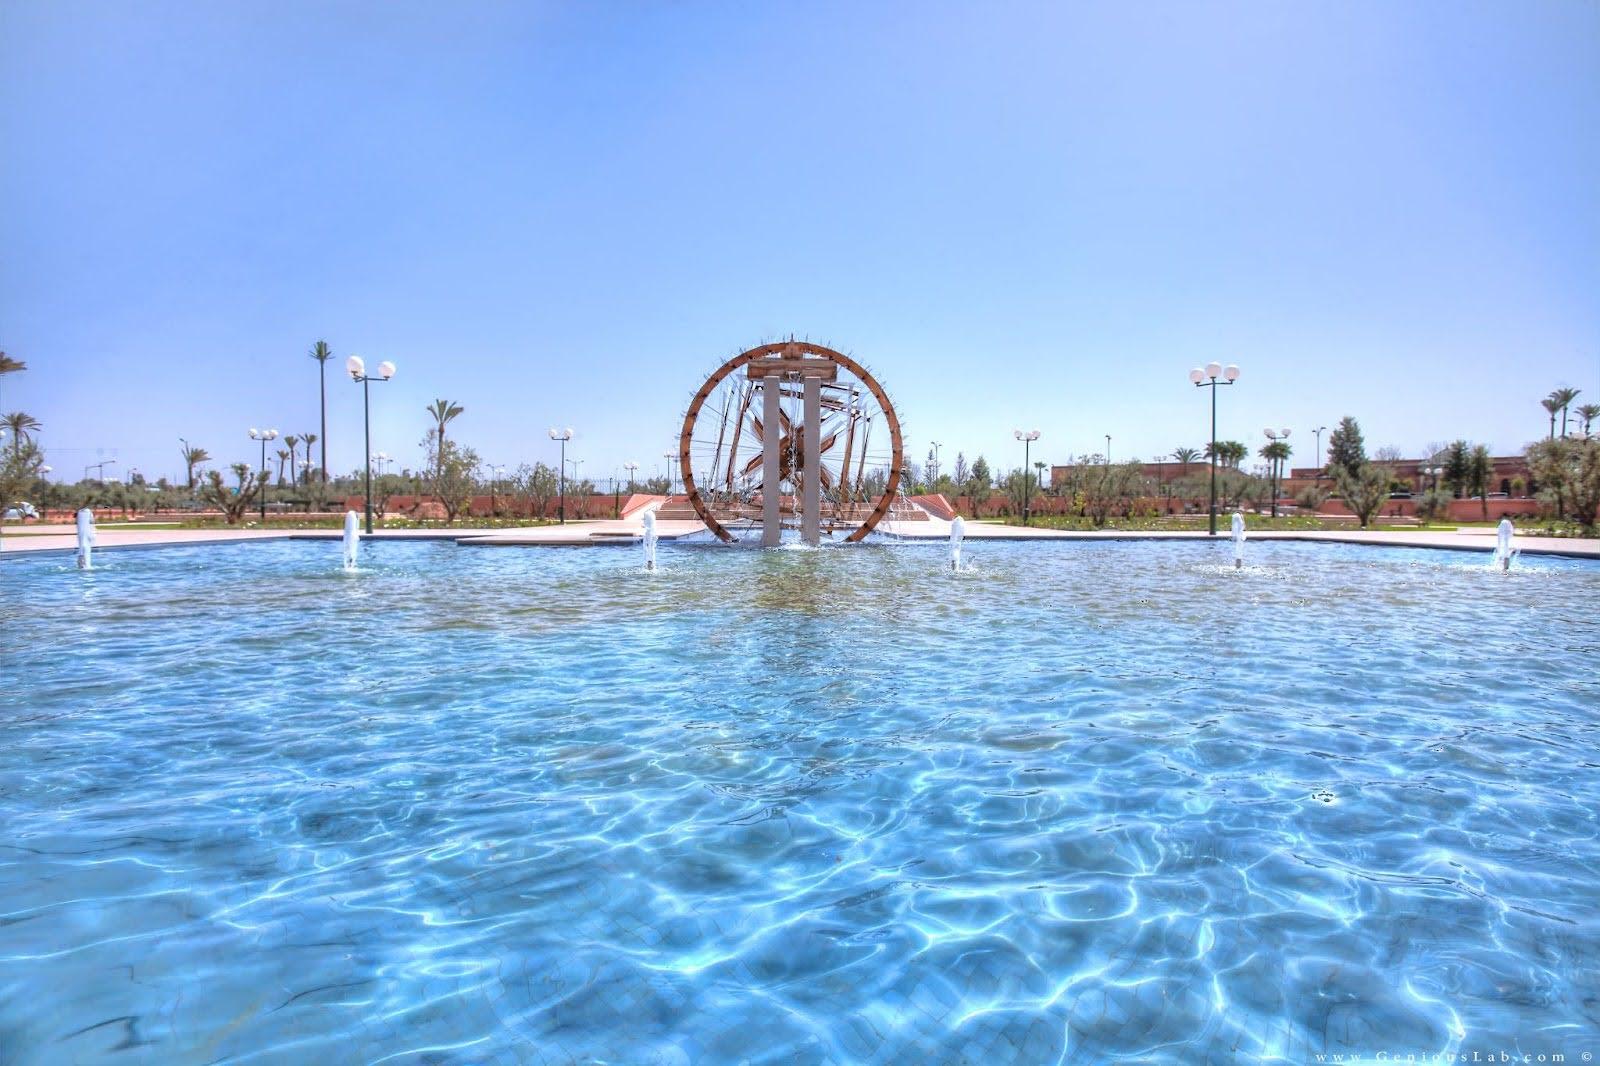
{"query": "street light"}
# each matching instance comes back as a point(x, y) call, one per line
point(1108, 449)
point(1275, 470)
point(632, 469)
point(671, 480)
point(1320, 463)
point(358, 373)
point(263, 435)
point(935, 475)
point(100, 468)
point(562, 435)
point(1213, 375)
point(1027, 437)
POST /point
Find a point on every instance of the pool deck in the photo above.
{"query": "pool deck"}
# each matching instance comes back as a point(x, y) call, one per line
point(612, 532)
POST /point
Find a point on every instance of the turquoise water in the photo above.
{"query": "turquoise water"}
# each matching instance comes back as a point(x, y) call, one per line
point(1085, 803)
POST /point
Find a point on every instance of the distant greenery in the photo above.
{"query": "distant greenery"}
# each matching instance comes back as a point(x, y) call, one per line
point(1173, 523)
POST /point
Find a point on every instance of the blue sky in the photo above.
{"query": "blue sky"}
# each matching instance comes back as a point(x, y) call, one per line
point(1017, 214)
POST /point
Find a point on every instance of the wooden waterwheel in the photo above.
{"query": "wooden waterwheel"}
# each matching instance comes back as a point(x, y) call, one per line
point(791, 435)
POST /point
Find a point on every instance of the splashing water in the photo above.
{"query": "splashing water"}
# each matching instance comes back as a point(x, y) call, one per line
point(1503, 552)
point(958, 529)
point(1238, 540)
point(352, 539)
point(650, 540)
point(86, 539)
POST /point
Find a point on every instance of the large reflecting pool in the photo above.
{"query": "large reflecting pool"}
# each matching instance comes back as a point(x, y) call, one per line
point(1085, 802)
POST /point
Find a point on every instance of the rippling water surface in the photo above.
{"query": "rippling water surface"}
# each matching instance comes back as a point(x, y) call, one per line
point(1087, 802)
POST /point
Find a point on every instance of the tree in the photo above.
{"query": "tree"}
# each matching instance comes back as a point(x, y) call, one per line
point(452, 473)
point(1569, 470)
point(1563, 398)
point(308, 439)
point(1229, 453)
point(22, 426)
point(322, 353)
point(1480, 471)
point(538, 485)
point(1433, 504)
point(1020, 489)
point(1276, 453)
point(1364, 489)
point(291, 442)
point(580, 491)
point(9, 365)
point(19, 473)
point(283, 456)
point(234, 502)
point(1108, 488)
point(1185, 456)
point(979, 485)
point(1457, 460)
point(1588, 412)
point(962, 473)
point(1551, 404)
point(1311, 497)
point(443, 412)
point(193, 457)
point(1346, 450)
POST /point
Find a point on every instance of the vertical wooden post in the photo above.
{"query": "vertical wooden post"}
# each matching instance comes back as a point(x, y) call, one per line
point(771, 498)
point(811, 475)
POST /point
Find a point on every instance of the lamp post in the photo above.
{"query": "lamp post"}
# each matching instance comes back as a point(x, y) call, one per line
point(264, 435)
point(562, 435)
point(1027, 437)
point(935, 475)
point(1108, 449)
point(632, 469)
point(671, 480)
point(1213, 375)
point(1276, 467)
point(1320, 463)
point(358, 373)
point(100, 468)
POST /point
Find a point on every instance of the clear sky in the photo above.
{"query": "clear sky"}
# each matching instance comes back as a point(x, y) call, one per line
point(1035, 215)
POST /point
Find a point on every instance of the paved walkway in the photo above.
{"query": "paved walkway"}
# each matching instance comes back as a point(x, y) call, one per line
point(61, 538)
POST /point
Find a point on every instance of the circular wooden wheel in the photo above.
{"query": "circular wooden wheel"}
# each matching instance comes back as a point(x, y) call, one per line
point(857, 443)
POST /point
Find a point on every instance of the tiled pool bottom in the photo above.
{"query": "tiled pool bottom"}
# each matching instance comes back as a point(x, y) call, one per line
point(1087, 803)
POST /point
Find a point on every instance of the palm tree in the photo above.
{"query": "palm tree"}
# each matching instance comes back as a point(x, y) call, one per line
point(1186, 456)
point(322, 353)
point(308, 439)
point(444, 412)
point(1230, 453)
point(193, 457)
point(1551, 404)
point(291, 442)
point(1564, 397)
point(283, 457)
point(9, 365)
point(21, 426)
point(1588, 412)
